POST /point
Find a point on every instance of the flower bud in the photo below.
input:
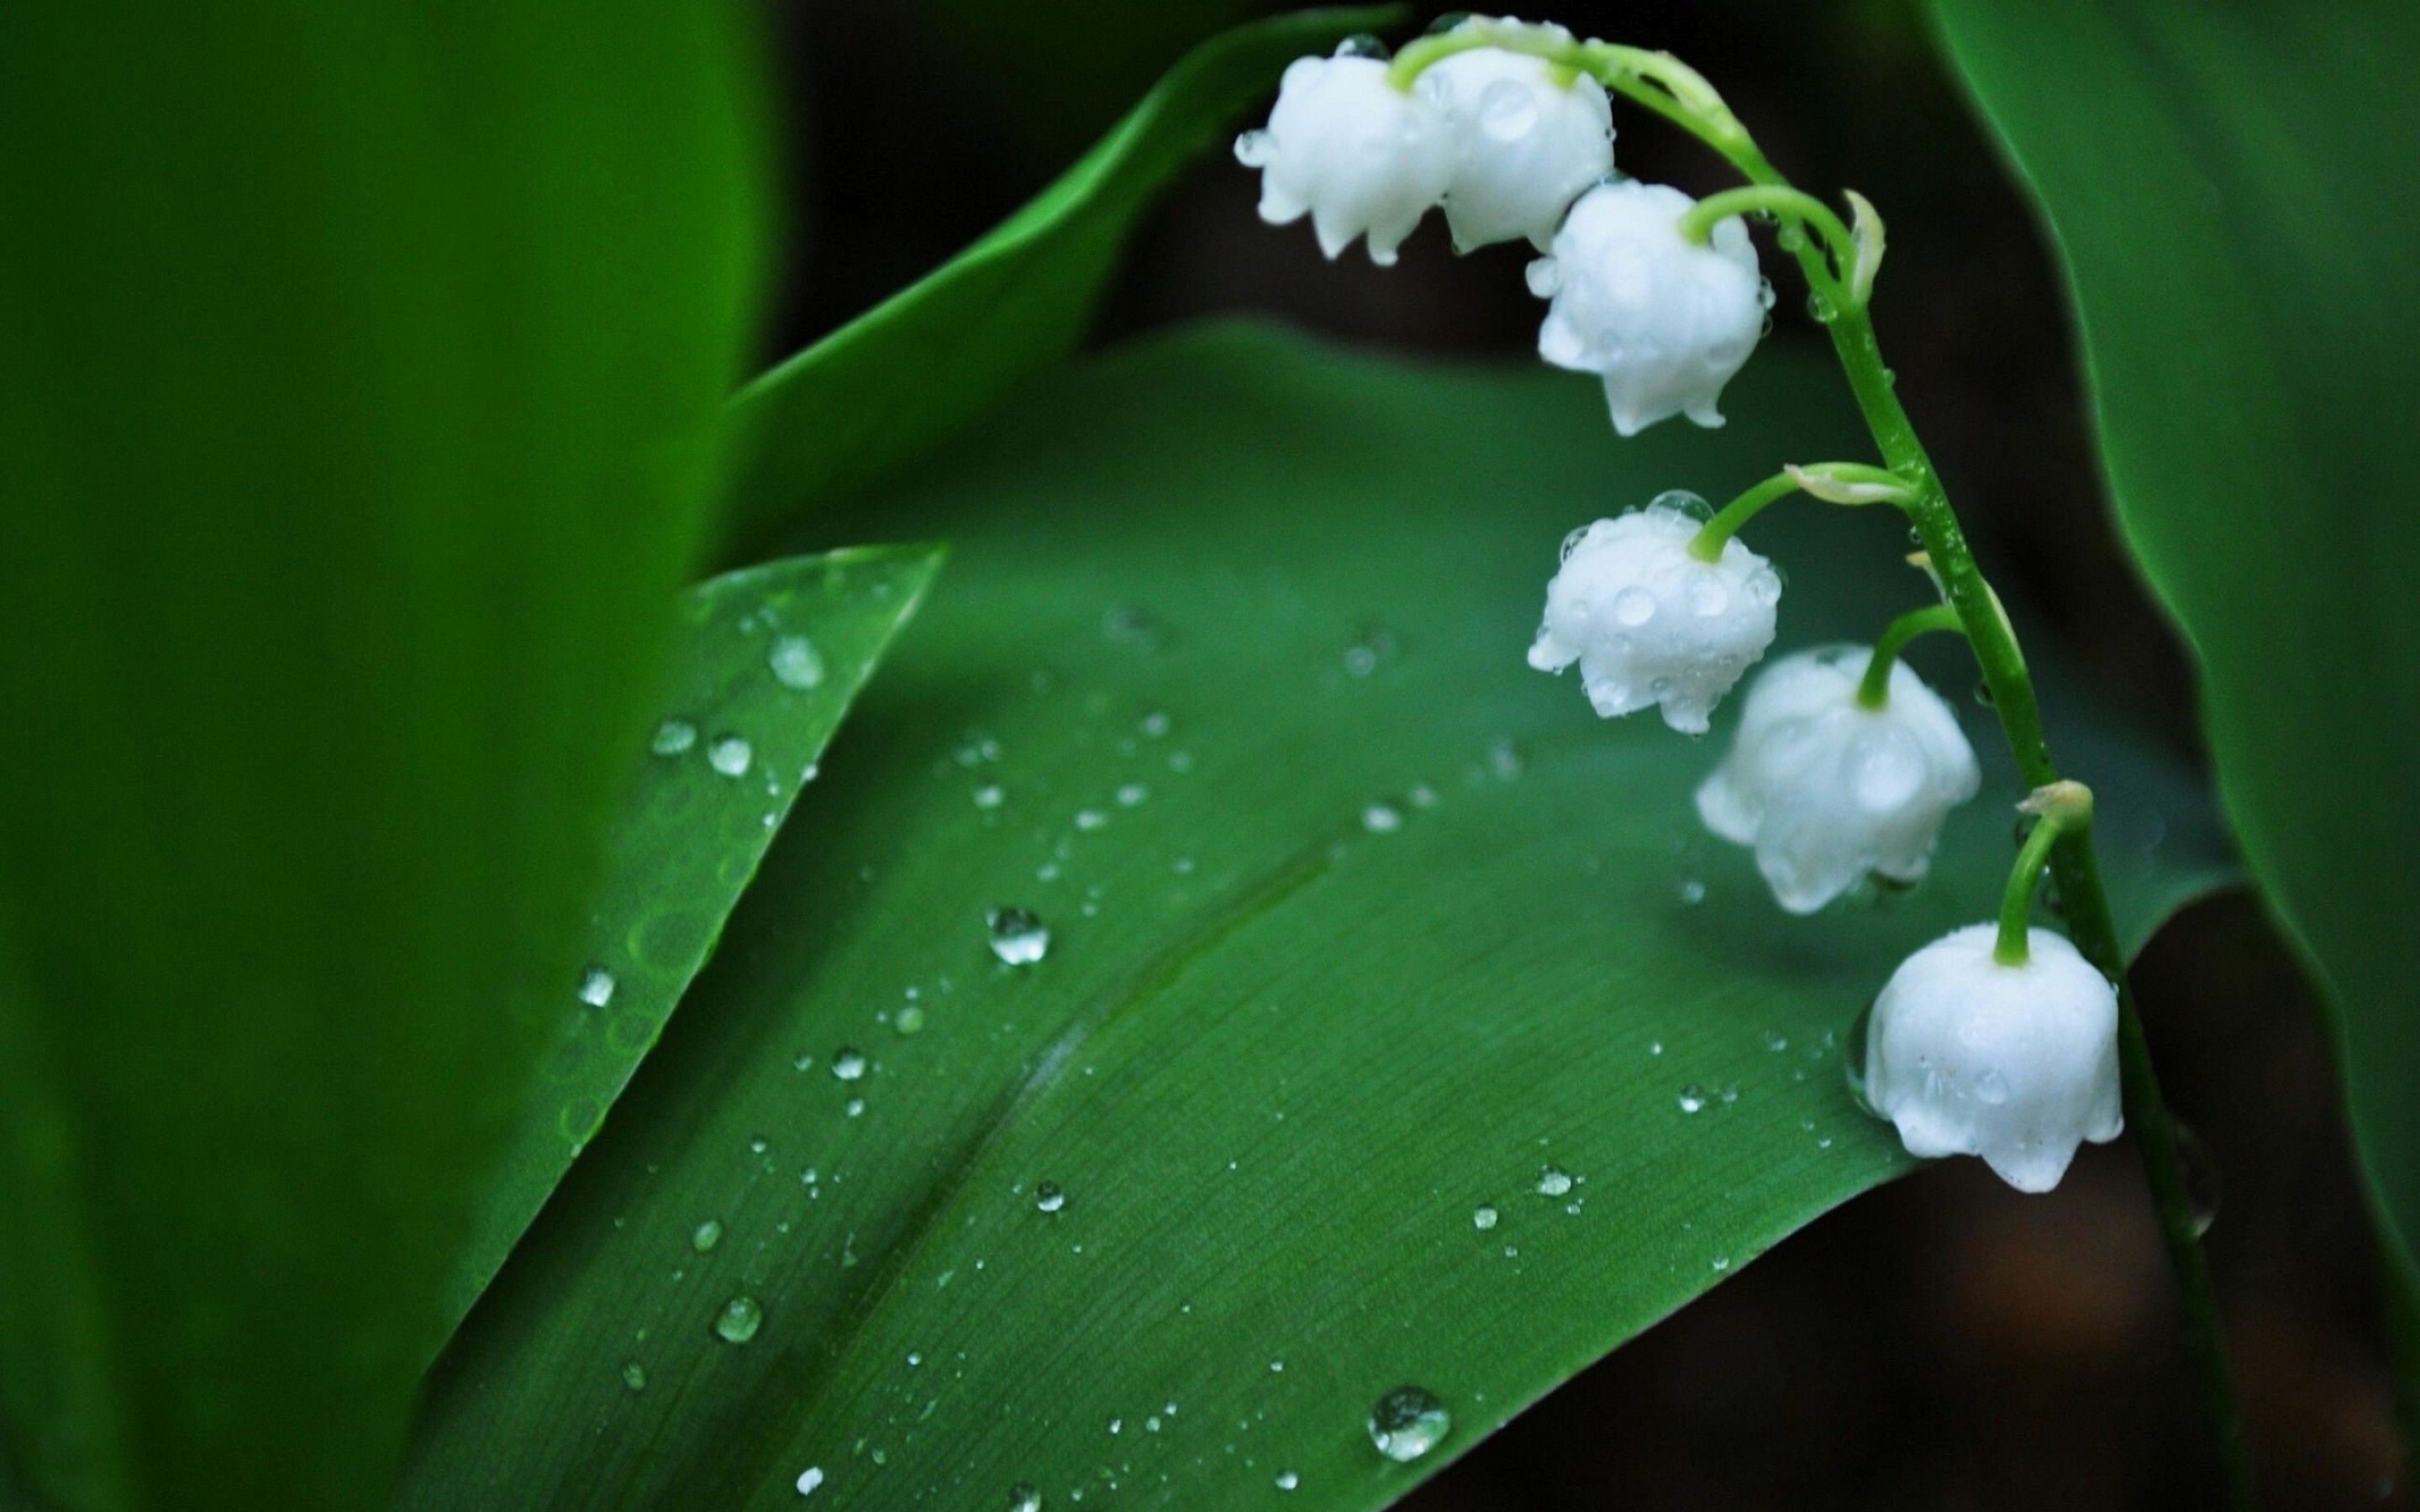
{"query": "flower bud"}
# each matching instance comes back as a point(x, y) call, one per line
point(1827, 789)
point(1649, 623)
point(1666, 321)
point(1526, 144)
point(1353, 151)
point(2015, 1063)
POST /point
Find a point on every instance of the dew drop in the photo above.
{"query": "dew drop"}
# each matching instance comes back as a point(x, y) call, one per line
point(989, 797)
point(738, 1320)
point(1382, 819)
point(1990, 1088)
point(2198, 1169)
point(1022, 1497)
point(706, 1235)
point(795, 662)
point(1132, 794)
point(730, 755)
point(909, 1020)
point(673, 737)
point(1483, 1217)
point(1288, 1480)
point(1049, 1198)
point(1693, 1098)
point(809, 1479)
point(634, 1376)
point(1508, 111)
point(1722, 1263)
point(1554, 1182)
point(1692, 504)
point(1255, 149)
point(848, 1063)
point(1408, 1423)
point(1634, 607)
point(597, 986)
point(1018, 936)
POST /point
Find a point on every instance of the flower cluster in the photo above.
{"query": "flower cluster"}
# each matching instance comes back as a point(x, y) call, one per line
point(1996, 1041)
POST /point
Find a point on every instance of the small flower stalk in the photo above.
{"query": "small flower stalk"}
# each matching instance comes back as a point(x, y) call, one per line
point(1650, 622)
point(1829, 787)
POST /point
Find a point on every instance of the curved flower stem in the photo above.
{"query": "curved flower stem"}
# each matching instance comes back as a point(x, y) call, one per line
point(1874, 688)
point(1835, 483)
point(1706, 545)
point(1697, 224)
point(2072, 859)
point(2015, 948)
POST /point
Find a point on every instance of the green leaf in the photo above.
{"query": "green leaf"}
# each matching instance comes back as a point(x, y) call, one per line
point(889, 385)
point(2240, 253)
point(770, 658)
point(1357, 925)
point(361, 368)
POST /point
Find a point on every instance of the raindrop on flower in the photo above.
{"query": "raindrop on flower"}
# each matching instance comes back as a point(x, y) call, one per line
point(1408, 1423)
point(738, 1320)
point(1018, 936)
point(795, 662)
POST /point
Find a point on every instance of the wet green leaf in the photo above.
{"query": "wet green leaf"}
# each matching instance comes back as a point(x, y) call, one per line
point(1362, 938)
point(768, 662)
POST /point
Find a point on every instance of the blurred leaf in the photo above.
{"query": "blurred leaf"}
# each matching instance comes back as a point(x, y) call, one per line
point(360, 372)
point(769, 661)
point(2239, 248)
point(893, 383)
point(1357, 925)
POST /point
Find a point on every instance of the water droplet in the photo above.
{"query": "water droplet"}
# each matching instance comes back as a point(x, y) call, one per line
point(909, 1020)
point(730, 755)
point(1853, 1057)
point(1381, 819)
point(1820, 308)
point(1505, 759)
point(1692, 504)
point(1018, 936)
point(597, 986)
point(1885, 769)
point(848, 1063)
point(1693, 1098)
point(634, 1376)
point(795, 662)
point(706, 1235)
point(989, 795)
point(854, 1107)
point(672, 736)
point(1288, 1480)
point(1554, 1182)
point(1022, 1497)
point(1155, 724)
point(1132, 794)
point(1634, 607)
point(1506, 110)
point(1990, 1088)
point(1722, 1263)
point(1049, 1198)
point(1408, 1423)
point(1362, 44)
point(1483, 1217)
point(1775, 1040)
point(1545, 276)
point(809, 1479)
point(740, 1320)
point(1693, 892)
point(1789, 238)
point(1255, 149)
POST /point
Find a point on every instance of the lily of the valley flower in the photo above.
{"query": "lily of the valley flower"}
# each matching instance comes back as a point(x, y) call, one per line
point(2017, 1063)
point(1526, 142)
point(1352, 151)
point(1650, 622)
point(1827, 789)
point(1663, 320)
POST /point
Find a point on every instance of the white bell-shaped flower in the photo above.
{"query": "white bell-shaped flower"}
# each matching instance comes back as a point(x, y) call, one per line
point(1827, 789)
point(1649, 623)
point(1666, 321)
point(1352, 151)
point(2015, 1063)
point(1526, 144)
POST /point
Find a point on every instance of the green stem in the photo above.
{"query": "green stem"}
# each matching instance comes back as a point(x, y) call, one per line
point(1697, 224)
point(2014, 947)
point(1874, 688)
point(2090, 927)
point(1706, 545)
